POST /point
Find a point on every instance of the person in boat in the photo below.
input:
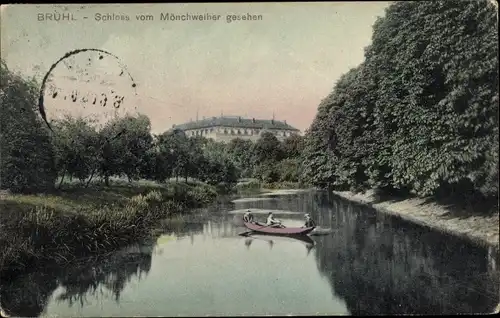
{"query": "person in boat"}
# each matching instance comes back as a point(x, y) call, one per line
point(248, 217)
point(271, 221)
point(309, 221)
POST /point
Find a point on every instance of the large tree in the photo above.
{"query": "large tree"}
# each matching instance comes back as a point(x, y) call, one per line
point(421, 112)
point(240, 152)
point(293, 146)
point(27, 159)
point(438, 90)
point(76, 145)
point(320, 155)
point(124, 143)
point(267, 148)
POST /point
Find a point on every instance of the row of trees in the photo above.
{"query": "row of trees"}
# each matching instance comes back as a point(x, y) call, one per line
point(126, 147)
point(420, 114)
point(33, 158)
point(268, 159)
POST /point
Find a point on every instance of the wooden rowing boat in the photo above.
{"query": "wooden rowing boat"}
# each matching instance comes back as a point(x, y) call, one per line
point(262, 228)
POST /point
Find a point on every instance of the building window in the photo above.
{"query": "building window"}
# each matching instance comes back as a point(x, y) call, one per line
point(232, 131)
point(225, 131)
point(239, 132)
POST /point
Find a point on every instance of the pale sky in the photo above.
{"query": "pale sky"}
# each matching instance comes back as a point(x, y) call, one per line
point(285, 63)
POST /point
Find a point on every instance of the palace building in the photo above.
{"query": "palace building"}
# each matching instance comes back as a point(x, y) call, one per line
point(226, 128)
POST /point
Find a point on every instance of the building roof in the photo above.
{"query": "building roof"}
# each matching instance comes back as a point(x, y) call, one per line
point(236, 122)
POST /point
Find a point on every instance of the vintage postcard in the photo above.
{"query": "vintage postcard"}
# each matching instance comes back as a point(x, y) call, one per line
point(249, 159)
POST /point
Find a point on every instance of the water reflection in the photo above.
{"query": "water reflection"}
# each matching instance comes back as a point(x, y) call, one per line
point(248, 242)
point(112, 275)
point(92, 278)
point(382, 265)
point(270, 239)
point(303, 203)
point(29, 295)
point(368, 264)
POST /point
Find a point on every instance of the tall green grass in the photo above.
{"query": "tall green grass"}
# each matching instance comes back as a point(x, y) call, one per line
point(62, 228)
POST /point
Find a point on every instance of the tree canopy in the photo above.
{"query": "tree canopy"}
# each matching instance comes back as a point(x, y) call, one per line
point(27, 158)
point(421, 112)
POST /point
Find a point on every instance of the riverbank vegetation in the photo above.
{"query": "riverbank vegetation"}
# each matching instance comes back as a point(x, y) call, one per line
point(420, 115)
point(82, 221)
point(58, 196)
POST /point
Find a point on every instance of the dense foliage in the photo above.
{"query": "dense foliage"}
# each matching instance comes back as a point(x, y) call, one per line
point(420, 114)
point(26, 158)
point(32, 158)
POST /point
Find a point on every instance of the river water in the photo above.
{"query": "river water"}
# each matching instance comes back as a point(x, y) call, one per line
point(368, 264)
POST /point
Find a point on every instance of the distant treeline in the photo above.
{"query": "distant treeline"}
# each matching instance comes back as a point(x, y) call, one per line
point(34, 159)
point(420, 114)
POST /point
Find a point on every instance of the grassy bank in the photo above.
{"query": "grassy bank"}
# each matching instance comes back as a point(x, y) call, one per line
point(77, 222)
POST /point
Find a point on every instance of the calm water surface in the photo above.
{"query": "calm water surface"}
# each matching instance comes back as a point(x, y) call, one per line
point(368, 264)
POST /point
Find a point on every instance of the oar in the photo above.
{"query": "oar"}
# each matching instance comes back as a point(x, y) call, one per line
point(245, 233)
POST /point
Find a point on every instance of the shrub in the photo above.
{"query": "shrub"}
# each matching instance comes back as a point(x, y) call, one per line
point(202, 195)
